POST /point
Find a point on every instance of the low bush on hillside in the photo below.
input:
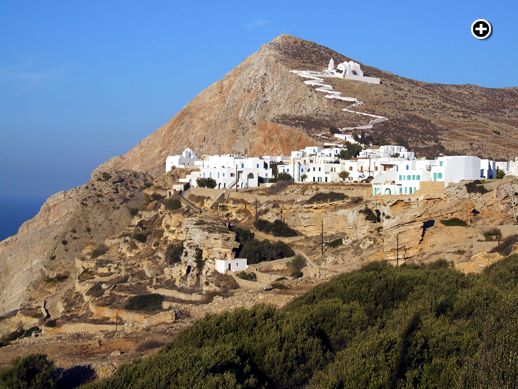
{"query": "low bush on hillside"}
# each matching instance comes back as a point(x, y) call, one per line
point(369, 215)
point(58, 278)
point(454, 222)
point(335, 243)
point(140, 236)
point(356, 200)
point(133, 211)
point(476, 187)
point(172, 203)
point(99, 250)
point(322, 197)
point(18, 334)
point(380, 326)
point(206, 182)
point(282, 177)
point(243, 235)
point(157, 196)
point(145, 302)
point(249, 276)
point(34, 371)
point(296, 265)
point(506, 246)
point(96, 290)
point(174, 253)
point(493, 234)
point(259, 250)
point(198, 259)
point(277, 228)
point(351, 151)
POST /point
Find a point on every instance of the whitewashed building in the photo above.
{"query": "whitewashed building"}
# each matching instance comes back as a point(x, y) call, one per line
point(230, 171)
point(406, 176)
point(186, 159)
point(389, 151)
point(393, 169)
point(231, 265)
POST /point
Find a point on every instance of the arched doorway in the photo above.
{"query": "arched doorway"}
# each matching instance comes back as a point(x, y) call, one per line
point(250, 180)
point(388, 191)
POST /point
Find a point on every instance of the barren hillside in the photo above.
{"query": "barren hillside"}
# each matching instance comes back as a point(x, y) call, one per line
point(262, 108)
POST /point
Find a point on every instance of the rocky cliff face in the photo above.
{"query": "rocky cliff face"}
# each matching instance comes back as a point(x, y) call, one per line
point(65, 224)
point(260, 108)
point(147, 244)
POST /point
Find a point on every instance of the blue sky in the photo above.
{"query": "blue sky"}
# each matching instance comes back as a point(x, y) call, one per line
point(81, 81)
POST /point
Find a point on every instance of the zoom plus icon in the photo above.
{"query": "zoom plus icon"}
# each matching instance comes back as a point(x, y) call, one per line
point(481, 29)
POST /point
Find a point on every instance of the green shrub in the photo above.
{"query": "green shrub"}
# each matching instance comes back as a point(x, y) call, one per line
point(297, 274)
point(31, 372)
point(476, 187)
point(369, 215)
point(284, 177)
point(172, 203)
point(297, 263)
point(454, 222)
point(198, 259)
point(352, 151)
point(51, 323)
point(174, 253)
point(96, 290)
point(145, 302)
point(381, 326)
point(242, 235)
point(57, 279)
point(99, 250)
point(258, 251)
point(494, 234)
point(156, 196)
point(140, 236)
point(323, 197)
point(505, 248)
point(277, 228)
point(335, 243)
point(356, 200)
point(500, 174)
point(19, 333)
point(206, 182)
point(133, 211)
point(249, 276)
point(504, 273)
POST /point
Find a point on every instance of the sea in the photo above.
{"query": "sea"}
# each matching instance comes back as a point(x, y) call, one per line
point(16, 210)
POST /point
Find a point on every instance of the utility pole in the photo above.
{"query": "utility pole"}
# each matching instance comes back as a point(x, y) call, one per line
point(397, 250)
point(322, 240)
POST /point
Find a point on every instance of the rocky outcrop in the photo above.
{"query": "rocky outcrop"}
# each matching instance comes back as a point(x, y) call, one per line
point(45, 246)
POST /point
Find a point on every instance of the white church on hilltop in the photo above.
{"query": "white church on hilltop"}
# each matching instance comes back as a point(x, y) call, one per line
point(349, 70)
